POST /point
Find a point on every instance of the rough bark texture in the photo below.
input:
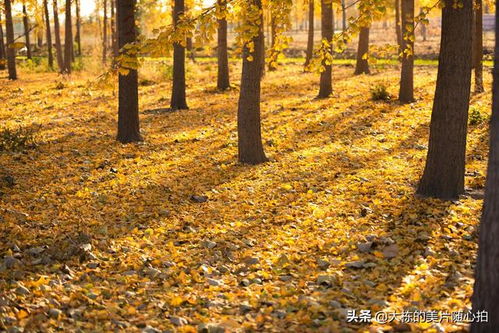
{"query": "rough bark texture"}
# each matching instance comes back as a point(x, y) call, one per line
point(248, 115)
point(26, 32)
point(78, 28)
point(486, 289)
point(57, 32)
point(406, 93)
point(478, 47)
point(48, 34)
point(11, 52)
point(3, 52)
point(68, 39)
point(223, 80)
point(310, 40)
point(443, 176)
point(326, 83)
point(362, 65)
point(128, 109)
point(398, 27)
point(178, 100)
point(104, 33)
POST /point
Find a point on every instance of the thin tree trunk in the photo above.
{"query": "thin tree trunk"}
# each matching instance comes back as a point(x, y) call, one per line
point(26, 32)
point(443, 176)
point(406, 93)
point(57, 32)
point(250, 146)
point(3, 52)
point(398, 27)
point(310, 40)
point(326, 83)
point(104, 33)
point(68, 40)
point(39, 37)
point(11, 51)
point(190, 49)
point(78, 28)
point(48, 34)
point(262, 49)
point(424, 29)
point(178, 100)
point(478, 47)
point(273, 35)
point(128, 109)
point(114, 42)
point(486, 288)
point(223, 80)
point(344, 15)
point(362, 65)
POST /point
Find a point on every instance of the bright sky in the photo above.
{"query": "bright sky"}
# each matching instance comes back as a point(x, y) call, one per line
point(87, 7)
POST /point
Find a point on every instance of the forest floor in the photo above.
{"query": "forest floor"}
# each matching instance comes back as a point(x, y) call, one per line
point(174, 234)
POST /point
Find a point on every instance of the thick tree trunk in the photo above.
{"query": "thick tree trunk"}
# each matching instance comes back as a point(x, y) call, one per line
point(398, 27)
point(78, 28)
point(68, 39)
point(486, 289)
point(48, 34)
point(478, 47)
point(362, 65)
point(11, 51)
point(26, 32)
point(104, 33)
point(406, 93)
point(178, 100)
point(223, 80)
point(248, 115)
point(3, 52)
point(443, 176)
point(310, 40)
point(114, 42)
point(57, 32)
point(128, 109)
point(326, 83)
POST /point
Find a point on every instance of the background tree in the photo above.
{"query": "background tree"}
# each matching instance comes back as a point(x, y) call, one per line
point(310, 38)
point(326, 83)
point(486, 288)
point(128, 99)
point(48, 34)
point(104, 32)
point(27, 30)
point(68, 39)
point(406, 93)
point(250, 146)
point(478, 47)
point(57, 33)
point(223, 80)
point(362, 63)
point(11, 51)
point(78, 28)
point(443, 175)
point(114, 41)
point(398, 27)
point(178, 98)
point(3, 53)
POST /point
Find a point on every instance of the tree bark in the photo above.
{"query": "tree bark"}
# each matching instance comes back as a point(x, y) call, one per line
point(486, 288)
point(190, 49)
point(26, 32)
point(443, 176)
point(250, 146)
point(178, 100)
point(344, 15)
point(406, 93)
point(68, 40)
point(57, 32)
point(326, 83)
point(128, 99)
point(48, 34)
point(104, 33)
point(223, 79)
point(3, 52)
point(478, 47)
point(11, 51)
point(78, 28)
point(311, 28)
point(114, 42)
point(398, 27)
point(362, 65)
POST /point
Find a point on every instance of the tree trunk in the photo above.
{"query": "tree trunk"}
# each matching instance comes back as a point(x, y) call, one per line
point(273, 35)
point(362, 66)
point(128, 108)
point(68, 40)
point(114, 42)
point(486, 289)
point(223, 79)
point(78, 28)
point(310, 41)
point(406, 93)
point(39, 37)
point(424, 29)
point(48, 34)
point(398, 27)
point(250, 145)
point(190, 49)
point(104, 33)
point(57, 32)
point(26, 32)
point(478, 47)
point(443, 176)
point(262, 50)
point(3, 52)
point(344, 15)
point(178, 100)
point(326, 83)
point(11, 51)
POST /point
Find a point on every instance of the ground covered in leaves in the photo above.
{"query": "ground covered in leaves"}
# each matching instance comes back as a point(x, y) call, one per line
point(174, 235)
